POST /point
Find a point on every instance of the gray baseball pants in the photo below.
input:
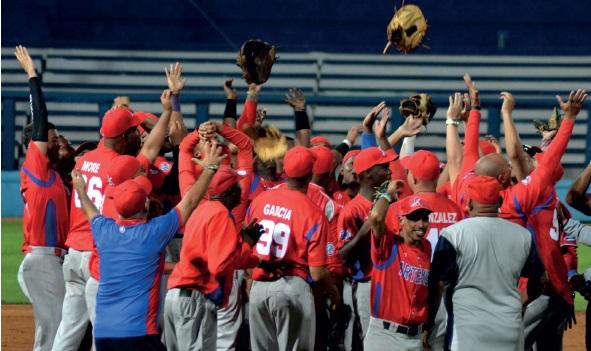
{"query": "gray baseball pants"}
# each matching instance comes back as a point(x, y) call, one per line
point(74, 312)
point(282, 315)
point(42, 281)
point(190, 321)
point(230, 317)
point(378, 338)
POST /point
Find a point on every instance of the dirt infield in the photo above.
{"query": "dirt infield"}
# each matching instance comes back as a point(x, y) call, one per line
point(18, 330)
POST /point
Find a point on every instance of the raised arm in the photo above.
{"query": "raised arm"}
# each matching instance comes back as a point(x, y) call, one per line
point(37, 101)
point(210, 164)
point(472, 135)
point(80, 186)
point(248, 117)
point(230, 111)
point(378, 213)
point(153, 143)
point(187, 175)
point(176, 83)
point(296, 99)
point(577, 195)
point(380, 130)
point(453, 146)
point(512, 141)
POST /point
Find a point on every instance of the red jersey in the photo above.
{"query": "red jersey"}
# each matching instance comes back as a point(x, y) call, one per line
point(212, 249)
point(350, 221)
point(445, 213)
point(341, 198)
point(400, 271)
point(295, 233)
point(45, 214)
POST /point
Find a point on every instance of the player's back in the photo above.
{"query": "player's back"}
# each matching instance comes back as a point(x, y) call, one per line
point(93, 166)
point(293, 226)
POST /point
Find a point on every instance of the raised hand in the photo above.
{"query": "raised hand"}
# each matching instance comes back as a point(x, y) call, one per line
point(166, 100)
point(208, 130)
point(254, 91)
point(370, 118)
point(382, 124)
point(174, 78)
point(454, 111)
point(508, 102)
point(229, 90)
point(296, 99)
point(252, 232)
point(212, 155)
point(410, 127)
point(465, 107)
point(573, 105)
point(177, 132)
point(23, 57)
point(472, 91)
point(78, 181)
point(353, 133)
point(261, 115)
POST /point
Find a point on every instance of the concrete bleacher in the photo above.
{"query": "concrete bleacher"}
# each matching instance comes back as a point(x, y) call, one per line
point(367, 79)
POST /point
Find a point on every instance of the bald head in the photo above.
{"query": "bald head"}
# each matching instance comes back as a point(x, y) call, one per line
point(496, 166)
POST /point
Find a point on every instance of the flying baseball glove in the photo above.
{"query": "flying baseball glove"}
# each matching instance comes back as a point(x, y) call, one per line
point(256, 58)
point(420, 104)
point(551, 124)
point(407, 29)
point(269, 143)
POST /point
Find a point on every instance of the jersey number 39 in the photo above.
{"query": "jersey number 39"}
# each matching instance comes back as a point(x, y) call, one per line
point(274, 240)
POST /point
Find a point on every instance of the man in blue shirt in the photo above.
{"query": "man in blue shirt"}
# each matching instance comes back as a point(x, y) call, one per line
point(131, 250)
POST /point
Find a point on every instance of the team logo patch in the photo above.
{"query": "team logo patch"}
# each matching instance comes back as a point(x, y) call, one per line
point(416, 202)
point(345, 235)
point(241, 172)
point(329, 211)
point(527, 180)
point(330, 249)
point(165, 167)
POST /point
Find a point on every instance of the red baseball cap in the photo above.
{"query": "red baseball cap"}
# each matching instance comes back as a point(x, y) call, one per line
point(142, 116)
point(320, 141)
point(324, 159)
point(411, 204)
point(223, 179)
point(487, 147)
point(130, 196)
point(484, 190)
point(370, 157)
point(116, 121)
point(298, 162)
point(350, 154)
point(124, 167)
point(423, 165)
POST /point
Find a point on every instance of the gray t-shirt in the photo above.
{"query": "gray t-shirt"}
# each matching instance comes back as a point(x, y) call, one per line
point(481, 259)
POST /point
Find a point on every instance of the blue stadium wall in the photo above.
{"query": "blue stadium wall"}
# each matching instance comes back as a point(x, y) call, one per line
point(456, 27)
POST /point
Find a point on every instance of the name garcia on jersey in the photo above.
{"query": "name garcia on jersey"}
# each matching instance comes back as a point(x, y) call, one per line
point(277, 211)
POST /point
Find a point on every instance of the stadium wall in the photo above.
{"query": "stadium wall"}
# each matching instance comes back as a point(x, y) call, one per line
point(542, 27)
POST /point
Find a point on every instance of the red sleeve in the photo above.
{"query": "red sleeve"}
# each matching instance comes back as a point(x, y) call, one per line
point(144, 162)
point(529, 190)
point(380, 249)
point(248, 116)
point(222, 243)
point(471, 139)
point(346, 228)
point(317, 244)
point(36, 164)
point(569, 254)
point(187, 176)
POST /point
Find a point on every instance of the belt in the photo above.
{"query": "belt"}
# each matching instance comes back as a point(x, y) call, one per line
point(184, 292)
point(410, 330)
point(46, 251)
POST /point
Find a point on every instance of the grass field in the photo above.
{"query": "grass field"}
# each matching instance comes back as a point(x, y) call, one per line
point(12, 257)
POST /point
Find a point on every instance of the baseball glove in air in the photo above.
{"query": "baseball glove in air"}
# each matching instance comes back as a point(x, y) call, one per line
point(551, 124)
point(256, 58)
point(420, 104)
point(269, 143)
point(407, 29)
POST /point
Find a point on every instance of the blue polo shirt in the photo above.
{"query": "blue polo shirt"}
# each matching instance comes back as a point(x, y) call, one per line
point(131, 266)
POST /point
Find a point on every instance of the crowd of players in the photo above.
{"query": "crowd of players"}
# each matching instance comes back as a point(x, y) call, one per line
point(274, 243)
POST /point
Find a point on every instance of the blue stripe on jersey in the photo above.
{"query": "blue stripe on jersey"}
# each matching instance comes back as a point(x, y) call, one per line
point(312, 231)
point(545, 205)
point(389, 261)
point(519, 209)
point(40, 182)
point(50, 224)
point(376, 300)
point(254, 184)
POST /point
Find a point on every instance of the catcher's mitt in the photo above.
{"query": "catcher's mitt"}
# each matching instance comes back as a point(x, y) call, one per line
point(420, 104)
point(269, 143)
point(551, 124)
point(407, 29)
point(256, 58)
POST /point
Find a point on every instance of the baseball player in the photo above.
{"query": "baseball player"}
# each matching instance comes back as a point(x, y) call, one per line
point(120, 136)
point(291, 249)
point(372, 167)
point(45, 216)
point(401, 263)
point(350, 183)
point(132, 258)
point(201, 281)
point(423, 172)
point(481, 259)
